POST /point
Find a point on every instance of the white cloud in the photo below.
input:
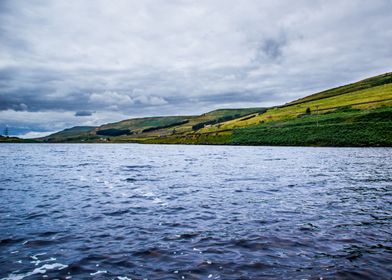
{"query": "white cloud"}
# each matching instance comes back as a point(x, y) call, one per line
point(115, 100)
point(150, 100)
point(110, 98)
point(35, 134)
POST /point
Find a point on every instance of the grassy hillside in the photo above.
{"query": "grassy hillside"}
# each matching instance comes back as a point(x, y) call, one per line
point(265, 128)
point(358, 114)
point(358, 86)
point(345, 127)
point(363, 99)
point(192, 124)
point(143, 129)
point(74, 134)
point(136, 126)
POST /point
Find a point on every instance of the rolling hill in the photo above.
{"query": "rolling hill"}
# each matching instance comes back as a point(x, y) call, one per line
point(143, 129)
point(358, 114)
point(69, 134)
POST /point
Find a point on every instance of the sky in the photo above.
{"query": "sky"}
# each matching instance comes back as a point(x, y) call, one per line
point(80, 62)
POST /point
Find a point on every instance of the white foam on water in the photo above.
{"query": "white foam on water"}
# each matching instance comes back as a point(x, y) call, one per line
point(40, 270)
point(148, 194)
point(157, 200)
point(35, 257)
point(108, 184)
point(123, 278)
point(37, 262)
point(98, 272)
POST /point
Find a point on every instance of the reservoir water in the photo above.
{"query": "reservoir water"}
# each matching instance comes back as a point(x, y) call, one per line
point(128, 211)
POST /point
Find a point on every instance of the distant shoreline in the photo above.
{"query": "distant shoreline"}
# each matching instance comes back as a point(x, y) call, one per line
point(190, 144)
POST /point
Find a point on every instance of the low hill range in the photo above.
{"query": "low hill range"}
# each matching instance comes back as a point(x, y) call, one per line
point(143, 129)
point(357, 114)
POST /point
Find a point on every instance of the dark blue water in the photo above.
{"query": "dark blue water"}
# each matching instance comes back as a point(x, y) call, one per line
point(194, 212)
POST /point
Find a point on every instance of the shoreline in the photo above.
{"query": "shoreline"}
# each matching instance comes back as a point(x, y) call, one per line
point(193, 144)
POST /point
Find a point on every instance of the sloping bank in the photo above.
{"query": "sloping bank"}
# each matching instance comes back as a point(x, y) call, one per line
point(345, 128)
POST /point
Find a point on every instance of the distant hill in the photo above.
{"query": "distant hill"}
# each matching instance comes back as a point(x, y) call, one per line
point(140, 129)
point(75, 133)
point(358, 114)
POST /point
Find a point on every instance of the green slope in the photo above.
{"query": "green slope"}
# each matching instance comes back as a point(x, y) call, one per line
point(364, 96)
point(358, 86)
point(74, 134)
point(143, 129)
point(345, 127)
point(140, 129)
point(358, 114)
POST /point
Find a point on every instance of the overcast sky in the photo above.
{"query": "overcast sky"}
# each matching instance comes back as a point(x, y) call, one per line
point(76, 62)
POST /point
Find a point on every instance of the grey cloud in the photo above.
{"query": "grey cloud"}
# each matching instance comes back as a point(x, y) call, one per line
point(176, 57)
point(273, 48)
point(270, 49)
point(83, 114)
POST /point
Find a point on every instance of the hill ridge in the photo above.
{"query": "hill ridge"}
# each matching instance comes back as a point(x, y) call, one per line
point(259, 126)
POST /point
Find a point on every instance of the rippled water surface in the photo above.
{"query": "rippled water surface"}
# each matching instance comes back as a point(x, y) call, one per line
point(132, 211)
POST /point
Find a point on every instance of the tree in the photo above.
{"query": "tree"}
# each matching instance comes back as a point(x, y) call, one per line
point(308, 111)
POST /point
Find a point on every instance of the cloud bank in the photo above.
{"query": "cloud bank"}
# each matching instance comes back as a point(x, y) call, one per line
point(65, 63)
